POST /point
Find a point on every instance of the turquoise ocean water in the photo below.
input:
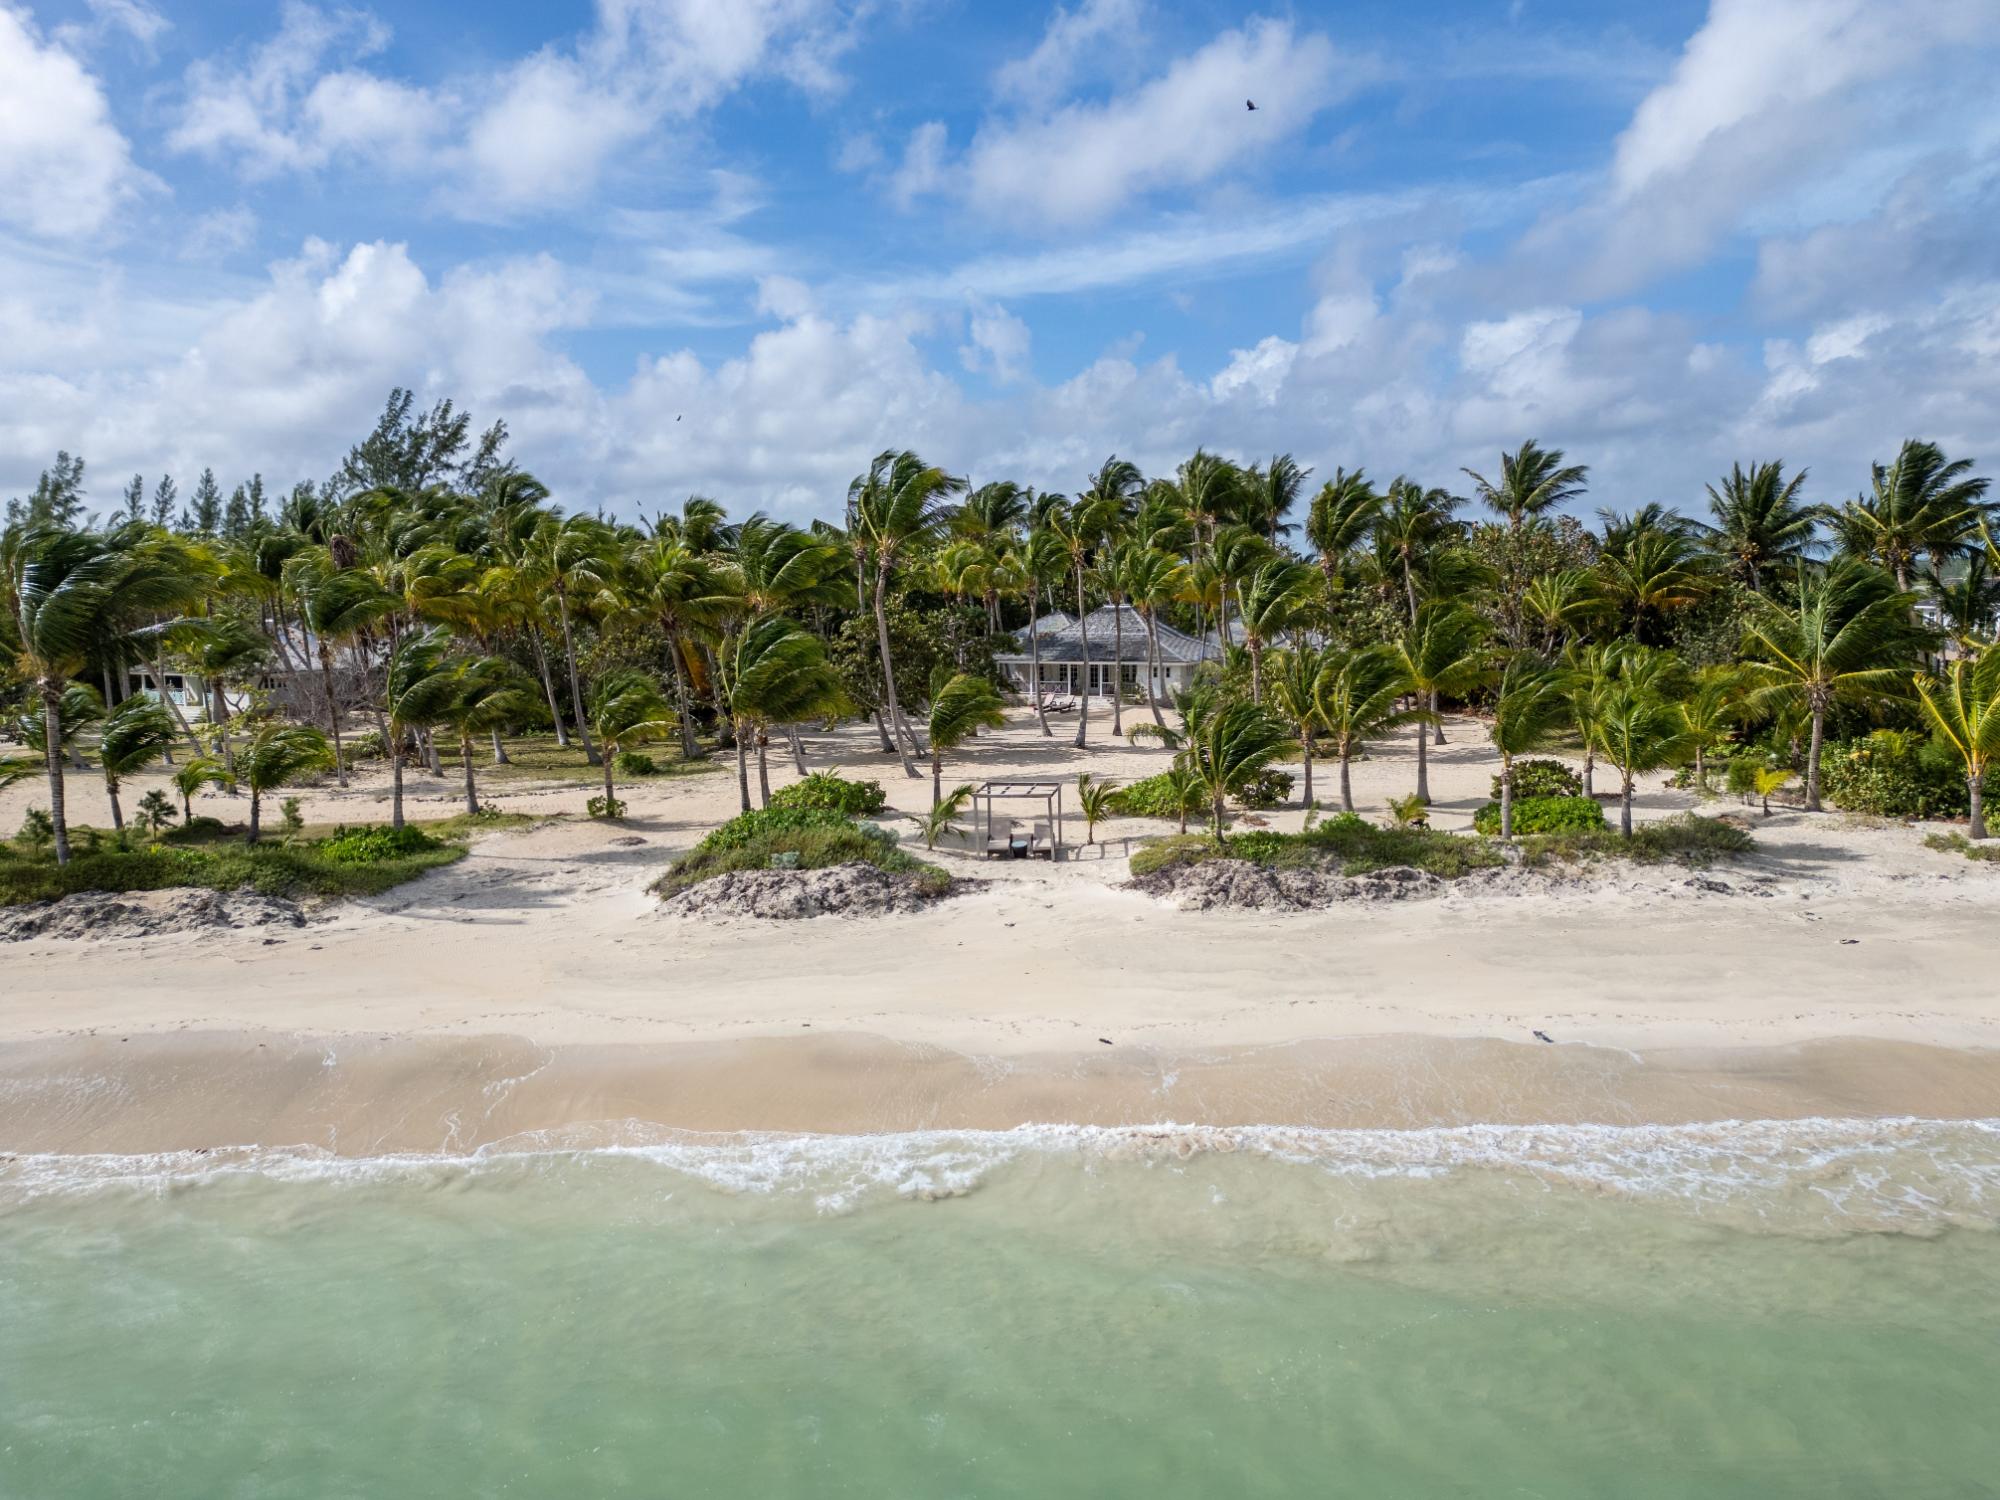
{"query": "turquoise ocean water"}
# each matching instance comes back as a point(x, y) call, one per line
point(1808, 1309)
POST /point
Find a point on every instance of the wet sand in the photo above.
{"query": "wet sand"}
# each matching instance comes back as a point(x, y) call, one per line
point(366, 1097)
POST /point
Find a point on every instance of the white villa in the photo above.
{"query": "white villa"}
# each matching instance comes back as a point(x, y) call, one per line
point(1068, 670)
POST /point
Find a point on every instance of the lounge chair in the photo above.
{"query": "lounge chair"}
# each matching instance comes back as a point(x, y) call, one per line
point(1040, 844)
point(1000, 839)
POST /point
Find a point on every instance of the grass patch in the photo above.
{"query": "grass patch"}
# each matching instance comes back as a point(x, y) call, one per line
point(1958, 843)
point(1354, 846)
point(798, 838)
point(339, 861)
point(1688, 839)
point(539, 758)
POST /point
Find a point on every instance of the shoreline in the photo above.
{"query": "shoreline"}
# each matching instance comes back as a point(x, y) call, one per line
point(356, 1098)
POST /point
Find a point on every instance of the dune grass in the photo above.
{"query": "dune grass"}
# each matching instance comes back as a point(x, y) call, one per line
point(538, 757)
point(1353, 846)
point(797, 838)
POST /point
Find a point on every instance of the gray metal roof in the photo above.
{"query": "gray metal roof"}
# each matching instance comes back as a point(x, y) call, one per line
point(1065, 643)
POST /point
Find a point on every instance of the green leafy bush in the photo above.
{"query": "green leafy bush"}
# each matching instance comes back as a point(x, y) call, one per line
point(1542, 815)
point(1152, 797)
point(602, 806)
point(1894, 775)
point(1688, 839)
point(635, 763)
point(1742, 776)
point(1268, 788)
point(747, 828)
point(1344, 842)
point(38, 829)
point(1541, 778)
point(372, 846)
point(827, 792)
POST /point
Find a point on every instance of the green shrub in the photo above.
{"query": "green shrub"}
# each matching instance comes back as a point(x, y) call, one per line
point(199, 829)
point(635, 763)
point(1543, 815)
point(602, 806)
point(1541, 778)
point(739, 832)
point(291, 817)
point(372, 846)
point(1743, 769)
point(795, 838)
point(1894, 775)
point(38, 829)
point(1152, 797)
point(1268, 788)
point(826, 792)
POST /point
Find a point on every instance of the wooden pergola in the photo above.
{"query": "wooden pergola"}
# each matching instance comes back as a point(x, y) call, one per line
point(1048, 793)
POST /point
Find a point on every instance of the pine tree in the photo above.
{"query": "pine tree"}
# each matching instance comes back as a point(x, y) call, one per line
point(57, 499)
point(257, 500)
point(204, 513)
point(163, 501)
point(135, 498)
point(236, 520)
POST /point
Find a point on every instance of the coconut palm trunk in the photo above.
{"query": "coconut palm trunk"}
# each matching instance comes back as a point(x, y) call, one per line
point(689, 750)
point(590, 756)
point(742, 769)
point(798, 749)
point(1153, 668)
point(1437, 721)
point(499, 750)
point(1083, 697)
point(610, 796)
point(471, 784)
point(548, 685)
point(905, 740)
point(1812, 756)
point(1423, 762)
point(332, 712)
point(1507, 797)
point(256, 814)
point(1117, 669)
point(52, 748)
point(763, 767)
point(395, 782)
point(1306, 747)
point(1346, 780)
point(1035, 665)
point(1625, 805)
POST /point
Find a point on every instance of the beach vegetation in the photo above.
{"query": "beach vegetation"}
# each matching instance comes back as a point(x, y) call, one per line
point(1532, 815)
point(801, 838)
point(832, 792)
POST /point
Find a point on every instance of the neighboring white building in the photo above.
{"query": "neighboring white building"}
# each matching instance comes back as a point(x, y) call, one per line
point(1067, 671)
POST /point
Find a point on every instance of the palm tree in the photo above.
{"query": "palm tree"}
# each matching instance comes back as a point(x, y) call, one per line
point(1562, 603)
point(1962, 705)
point(1533, 479)
point(421, 686)
point(685, 594)
point(1411, 536)
point(1089, 522)
point(1268, 494)
point(1358, 696)
point(1093, 795)
point(1532, 703)
point(894, 508)
point(1153, 580)
point(1227, 745)
point(1637, 727)
point(487, 692)
point(1968, 605)
point(574, 558)
point(626, 708)
point(1340, 517)
point(1443, 651)
point(1294, 687)
point(944, 814)
point(1651, 572)
point(278, 755)
point(1920, 504)
point(1759, 521)
point(60, 585)
point(195, 774)
point(1269, 600)
point(224, 650)
point(1710, 712)
point(775, 672)
point(1840, 636)
point(336, 605)
point(959, 710)
point(136, 733)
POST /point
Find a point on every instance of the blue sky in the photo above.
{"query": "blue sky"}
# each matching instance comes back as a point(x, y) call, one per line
point(1015, 237)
